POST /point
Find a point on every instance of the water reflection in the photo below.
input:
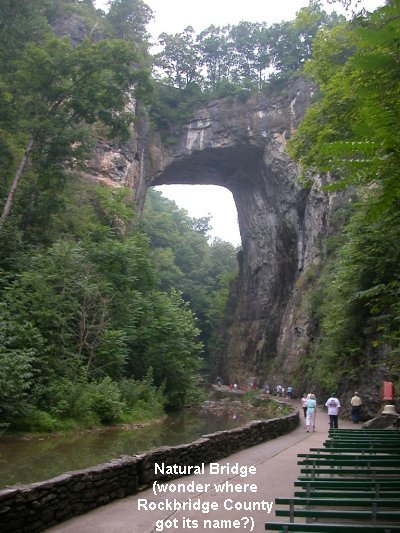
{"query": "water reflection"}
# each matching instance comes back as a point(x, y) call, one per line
point(26, 461)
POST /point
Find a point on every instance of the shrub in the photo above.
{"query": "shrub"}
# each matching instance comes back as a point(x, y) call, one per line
point(107, 402)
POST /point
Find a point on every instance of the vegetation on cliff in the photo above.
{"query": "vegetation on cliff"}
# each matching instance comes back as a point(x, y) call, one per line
point(233, 60)
point(351, 132)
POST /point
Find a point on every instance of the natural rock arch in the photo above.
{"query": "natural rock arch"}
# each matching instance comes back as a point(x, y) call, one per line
point(240, 145)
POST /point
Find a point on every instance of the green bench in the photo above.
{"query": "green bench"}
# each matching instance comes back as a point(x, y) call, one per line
point(393, 438)
point(374, 515)
point(363, 435)
point(356, 461)
point(346, 494)
point(374, 435)
point(348, 484)
point(328, 528)
point(360, 450)
point(335, 471)
point(359, 447)
point(355, 438)
point(340, 502)
point(364, 431)
point(346, 456)
point(369, 440)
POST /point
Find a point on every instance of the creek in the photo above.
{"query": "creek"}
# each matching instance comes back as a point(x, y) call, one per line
point(27, 460)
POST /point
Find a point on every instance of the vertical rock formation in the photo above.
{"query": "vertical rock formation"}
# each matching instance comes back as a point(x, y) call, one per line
point(241, 146)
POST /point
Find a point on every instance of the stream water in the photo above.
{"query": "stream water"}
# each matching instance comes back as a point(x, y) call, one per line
point(39, 458)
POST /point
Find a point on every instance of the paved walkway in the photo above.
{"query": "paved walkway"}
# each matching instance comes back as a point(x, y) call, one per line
point(247, 508)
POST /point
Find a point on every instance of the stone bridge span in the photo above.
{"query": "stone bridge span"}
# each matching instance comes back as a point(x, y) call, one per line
point(240, 145)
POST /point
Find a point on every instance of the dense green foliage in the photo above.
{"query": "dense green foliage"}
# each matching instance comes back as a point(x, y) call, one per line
point(85, 314)
point(95, 327)
point(231, 60)
point(243, 55)
point(185, 260)
point(352, 133)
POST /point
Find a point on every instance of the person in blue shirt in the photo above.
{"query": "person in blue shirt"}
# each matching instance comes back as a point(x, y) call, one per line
point(311, 411)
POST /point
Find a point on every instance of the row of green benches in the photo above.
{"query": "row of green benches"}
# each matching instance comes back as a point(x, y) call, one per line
point(351, 484)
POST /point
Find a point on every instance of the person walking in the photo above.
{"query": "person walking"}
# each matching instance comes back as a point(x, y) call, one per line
point(333, 406)
point(304, 404)
point(311, 410)
point(355, 403)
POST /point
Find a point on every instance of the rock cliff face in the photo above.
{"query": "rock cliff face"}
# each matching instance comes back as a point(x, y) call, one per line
point(241, 146)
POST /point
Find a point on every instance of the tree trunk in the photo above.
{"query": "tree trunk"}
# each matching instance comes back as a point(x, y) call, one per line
point(14, 185)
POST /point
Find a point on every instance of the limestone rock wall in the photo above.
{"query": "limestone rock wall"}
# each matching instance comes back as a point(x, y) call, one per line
point(240, 145)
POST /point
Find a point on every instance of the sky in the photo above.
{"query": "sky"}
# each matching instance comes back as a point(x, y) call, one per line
point(173, 16)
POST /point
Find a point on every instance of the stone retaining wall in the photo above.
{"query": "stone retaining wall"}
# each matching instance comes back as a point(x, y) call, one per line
point(38, 506)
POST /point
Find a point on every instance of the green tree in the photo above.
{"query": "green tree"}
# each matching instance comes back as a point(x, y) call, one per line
point(251, 53)
point(20, 345)
point(292, 41)
point(167, 340)
point(179, 58)
point(241, 57)
point(309, 20)
point(82, 313)
point(216, 55)
point(129, 19)
point(20, 22)
point(222, 271)
point(352, 129)
point(59, 87)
